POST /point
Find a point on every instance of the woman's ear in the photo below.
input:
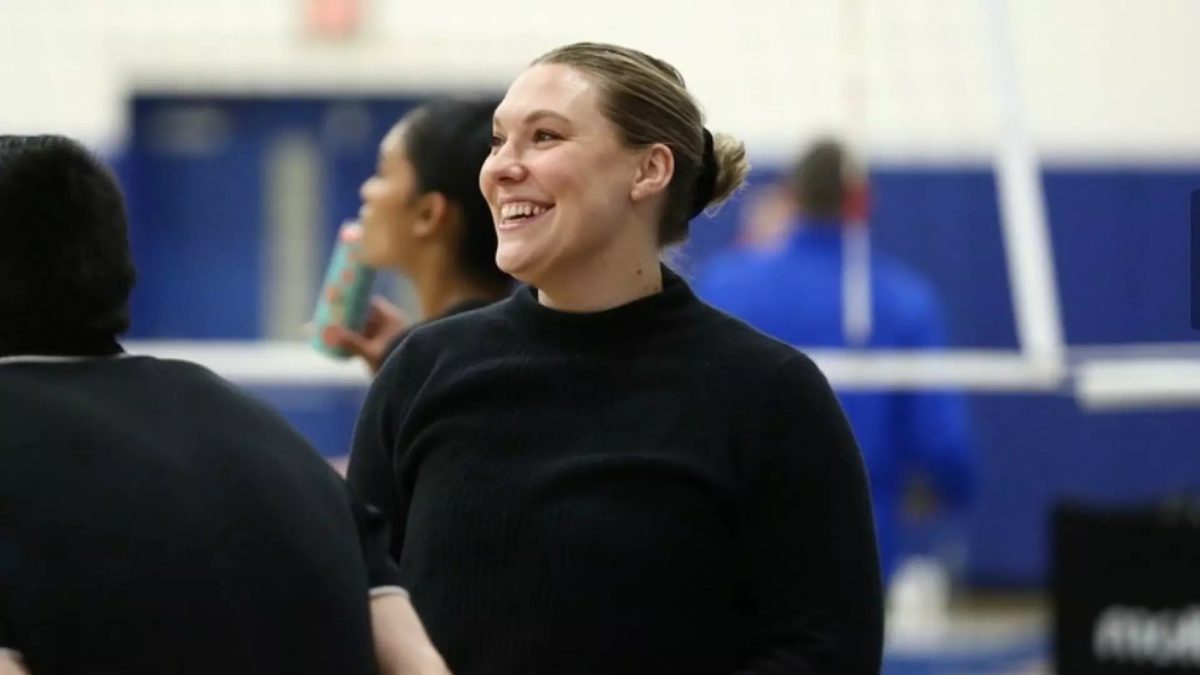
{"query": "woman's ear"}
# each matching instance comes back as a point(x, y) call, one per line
point(433, 210)
point(655, 168)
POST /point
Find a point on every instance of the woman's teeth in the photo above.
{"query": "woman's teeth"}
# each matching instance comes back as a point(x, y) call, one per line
point(514, 210)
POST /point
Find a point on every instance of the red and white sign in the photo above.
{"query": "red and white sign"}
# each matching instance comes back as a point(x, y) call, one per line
point(334, 19)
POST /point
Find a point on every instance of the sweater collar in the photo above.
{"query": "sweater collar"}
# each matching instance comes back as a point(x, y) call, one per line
point(626, 324)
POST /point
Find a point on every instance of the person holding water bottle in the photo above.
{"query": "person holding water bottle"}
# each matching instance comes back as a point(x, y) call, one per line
point(423, 216)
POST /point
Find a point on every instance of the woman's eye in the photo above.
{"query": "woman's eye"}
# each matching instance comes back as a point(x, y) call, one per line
point(542, 136)
point(496, 141)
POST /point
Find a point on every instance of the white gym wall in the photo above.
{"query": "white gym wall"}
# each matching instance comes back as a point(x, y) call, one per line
point(1102, 79)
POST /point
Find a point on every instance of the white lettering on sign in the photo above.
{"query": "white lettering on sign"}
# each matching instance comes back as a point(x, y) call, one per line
point(1136, 635)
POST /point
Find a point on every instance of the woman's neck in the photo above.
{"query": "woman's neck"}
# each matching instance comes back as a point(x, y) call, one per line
point(60, 343)
point(611, 279)
point(440, 289)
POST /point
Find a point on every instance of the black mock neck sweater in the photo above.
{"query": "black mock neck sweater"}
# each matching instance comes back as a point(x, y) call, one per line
point(651, 489)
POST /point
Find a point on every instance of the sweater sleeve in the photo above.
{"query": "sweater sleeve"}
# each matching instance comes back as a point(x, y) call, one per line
point(811, 551)
point(371, 474)
point(375, 542)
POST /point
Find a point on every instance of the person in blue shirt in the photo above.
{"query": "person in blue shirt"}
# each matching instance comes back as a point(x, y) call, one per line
point(914, 442)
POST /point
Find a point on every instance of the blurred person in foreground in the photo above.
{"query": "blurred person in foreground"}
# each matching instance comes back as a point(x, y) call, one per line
point(153, 519)
point(424, 217)
point(916, 443)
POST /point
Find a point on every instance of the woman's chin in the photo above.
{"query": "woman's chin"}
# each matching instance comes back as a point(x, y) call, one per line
point(374, 250)
point(373, 257)
point(515, 261)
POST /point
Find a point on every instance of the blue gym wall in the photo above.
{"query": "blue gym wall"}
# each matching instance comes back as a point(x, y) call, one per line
point(1120, 237)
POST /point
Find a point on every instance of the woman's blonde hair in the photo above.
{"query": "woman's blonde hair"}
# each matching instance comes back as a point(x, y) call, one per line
point(647, 100)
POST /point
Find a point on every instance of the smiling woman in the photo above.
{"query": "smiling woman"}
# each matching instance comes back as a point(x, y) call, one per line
point(569, 492)
point(596, 161)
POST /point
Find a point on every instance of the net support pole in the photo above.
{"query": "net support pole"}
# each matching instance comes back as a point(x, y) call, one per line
point(1023, 222)
point(856, 240)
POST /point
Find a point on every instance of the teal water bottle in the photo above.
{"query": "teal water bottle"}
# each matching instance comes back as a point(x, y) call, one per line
point(346, 295)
